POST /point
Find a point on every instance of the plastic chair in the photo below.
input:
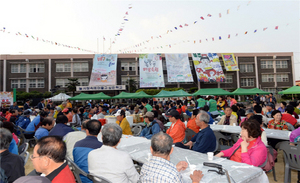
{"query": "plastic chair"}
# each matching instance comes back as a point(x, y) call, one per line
point(221, 139)
point(290, 126)
point(217, 146)
point(136, 131)
point(76, 170)
point(271, 151)
point(189, 134)
point(235, 137)
point(22, 135)
point(98, 179)
point(291, 158)
point(25, 156)
point(23, 148)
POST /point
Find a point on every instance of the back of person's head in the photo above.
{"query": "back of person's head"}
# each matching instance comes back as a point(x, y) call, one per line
point(289, 109)
point(132, 107)
point(252, 127)
point(83, 124)
point(43, 114)
point(204, 116)
point(234, 108)
point(195, 112)
point(5, 138)
point(61, 119)
point(155, 113)
point(74, 110)
point(258, 118)
point(156, 107)
point(257, 108)
point(144, 100)
point(81, 110)
point(283, 103)
point(53, 147)
point(47, 121)
point(111, 134)
point(294, 104)
point(9, 126)
point(161, 143)
point(93, 126)
point(206, 108)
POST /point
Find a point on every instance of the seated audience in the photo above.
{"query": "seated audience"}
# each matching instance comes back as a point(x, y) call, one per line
point(263, 135)
point(270, 109)
point(287, 115)
point(118, 164)
point(249, 113)
point(24, 120)
point(277, 123)
point(159, 169)
point(228, 118)
point(161, 125)
point(282, 107)
point(76, 121)
point(192, 123)
point(257, 111)
point(14, 116)
point(249, 148)
point(152, 126)
point(123, 123)
point(206, 109)
point(48, 158)
point(84, 146)
point(46, 126)
point(11, 128)
point(177, 128)
point(204, 141)
point(11, 164)
point(61, 128)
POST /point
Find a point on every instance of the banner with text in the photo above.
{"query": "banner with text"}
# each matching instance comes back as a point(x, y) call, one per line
point(151, 71)
point(178, 68)
point(6, 98)
point(208, 67)
point(104, 70)
point(230, 62)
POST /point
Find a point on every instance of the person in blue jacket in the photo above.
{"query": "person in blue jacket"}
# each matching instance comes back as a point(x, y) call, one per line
point(152, 126)
point(24, 120)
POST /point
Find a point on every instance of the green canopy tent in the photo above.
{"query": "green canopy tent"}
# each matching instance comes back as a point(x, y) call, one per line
point(252, 91)
point(291, 90)
point(84, 96)
point(211, 91)
point(100, 95)
point(81, 96)
point(163, 94)
point(123, 95)
point(141, 94)
point(180, 93)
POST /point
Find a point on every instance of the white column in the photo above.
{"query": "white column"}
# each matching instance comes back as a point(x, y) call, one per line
point(256, 71)
point(293, 69)
point(71, 67)
point(4, 75)
point(49, 74)
point(27, 75)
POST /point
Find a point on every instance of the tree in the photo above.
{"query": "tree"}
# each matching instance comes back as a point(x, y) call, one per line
point(132, 85)
point(71, 86)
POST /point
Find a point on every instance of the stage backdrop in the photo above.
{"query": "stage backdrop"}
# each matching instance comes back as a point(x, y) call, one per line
point(178, 68)
point(151, 71)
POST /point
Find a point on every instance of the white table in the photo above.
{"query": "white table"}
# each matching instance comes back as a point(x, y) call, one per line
point(139, 150)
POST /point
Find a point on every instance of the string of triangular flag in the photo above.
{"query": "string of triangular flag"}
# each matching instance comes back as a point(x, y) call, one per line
point(37, 38)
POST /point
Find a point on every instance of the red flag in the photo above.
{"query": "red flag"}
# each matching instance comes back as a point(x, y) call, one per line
point(120, 29)
point(126, 13)
point(276, 27)
point(246, 32)
point(265, 28)
point(180, 26)
point(213, 39)
point(186, 25)
point(200, 41)
point(220, 15)
point(228, 36)
point(202, 18)
point(209, 15)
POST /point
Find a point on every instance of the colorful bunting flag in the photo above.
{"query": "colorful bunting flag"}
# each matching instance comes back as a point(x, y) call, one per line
point(276, 27)
point(200, 41)
point(228, 36)
point(236, 34)
point(220, 15)
point(265, 28)
point(186, 25)
point(126, 19)
point(209, 15)
point(130, 7)
point(220, 38)
point(126, 13)
point(180, 26)
point(238, 7)
point(195, 22)
point(255, 31)
point(103, 38)
point(213, 39)
point(246, 32)
point(202, 18)
point(176, 28)
point(228, 11)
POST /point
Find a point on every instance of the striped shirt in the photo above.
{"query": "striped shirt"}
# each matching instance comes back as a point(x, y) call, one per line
point(159, 170)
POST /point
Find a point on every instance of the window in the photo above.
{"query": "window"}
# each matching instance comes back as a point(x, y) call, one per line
point(228, 78)
point(14, 83)
point(267, 78)
point(62, 82)
point(22, 68)
point(124, 66)
point(18, 68)
point(130, 66)
point(22, 83)
point(63, 67)
point(83, 81)
point(81, 67)
point(34, 68)
point(246, 68)
point(32, 83)
point(281, 64)
point(282, 78)
point(247, 82)
point(267, 64)
point(271, 90)
point(40, 83)
point(36, 83)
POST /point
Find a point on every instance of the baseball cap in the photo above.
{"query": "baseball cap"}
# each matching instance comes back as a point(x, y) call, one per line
point(119, 112)
point(270, 104)
point(172, 113)
point(27, 112)
point(149, 114)
point(249, 111)
point(65, 110)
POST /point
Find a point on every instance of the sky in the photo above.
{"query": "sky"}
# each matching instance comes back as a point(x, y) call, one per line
point(84, 23)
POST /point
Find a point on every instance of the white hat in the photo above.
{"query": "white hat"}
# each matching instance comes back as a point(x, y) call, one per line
point(118, 113)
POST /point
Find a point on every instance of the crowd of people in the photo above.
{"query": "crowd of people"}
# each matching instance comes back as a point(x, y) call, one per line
point(67, 130)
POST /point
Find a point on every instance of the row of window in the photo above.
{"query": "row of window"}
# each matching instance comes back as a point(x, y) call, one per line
point(269, 64)
point(64, 82)
point(33, 83)
point(40, 68)
point(279, 78)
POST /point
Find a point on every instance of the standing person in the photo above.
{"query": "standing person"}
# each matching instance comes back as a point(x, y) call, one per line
point(272, 99)
point(152, 126)
point(146, 105)
point(159, 169)
point(118, 164)
point(201, 102)
point(123, 123)
point(263, 100)
point(69, 104)
point(232, 100)
point(41, 105)
point(26, 105)
point(177, 129)
point(257, 99)
point(213, 109)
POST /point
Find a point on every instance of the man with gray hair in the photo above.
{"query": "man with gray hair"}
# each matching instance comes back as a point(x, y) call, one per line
point(159, 169)
point(108, 161)
point(12, 164)
point(204, 141)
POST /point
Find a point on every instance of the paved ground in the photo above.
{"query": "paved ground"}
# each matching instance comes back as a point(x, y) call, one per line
point(279, 169)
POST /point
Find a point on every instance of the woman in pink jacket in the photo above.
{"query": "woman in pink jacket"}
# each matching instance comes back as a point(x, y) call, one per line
point(249, 148)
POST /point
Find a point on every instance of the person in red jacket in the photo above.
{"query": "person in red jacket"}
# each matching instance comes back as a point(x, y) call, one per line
point(49, 158)
point(177, 129)
point(287, 115)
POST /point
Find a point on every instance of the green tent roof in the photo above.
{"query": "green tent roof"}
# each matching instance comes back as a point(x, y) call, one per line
point(162, 94)
point(123, 95)
point(81, 96)
point(84, 96)
point(141, 94)
point(252, 91)
point(291, 90)
point(180, 93)
point(212, 91)
point(100, 95)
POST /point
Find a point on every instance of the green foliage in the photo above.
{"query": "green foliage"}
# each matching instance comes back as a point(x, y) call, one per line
point(156, 91)
point(193, 89)
point(21, 95)
point(132, 85)
point(71, 86)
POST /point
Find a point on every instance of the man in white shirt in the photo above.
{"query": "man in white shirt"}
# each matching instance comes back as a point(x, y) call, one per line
point(109, 162)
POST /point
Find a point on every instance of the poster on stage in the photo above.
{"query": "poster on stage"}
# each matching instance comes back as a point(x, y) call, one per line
point(151, 71)
point(6, 99)
point(178, 68)
point(104, 70)
point(230, 62)
point(208, 67)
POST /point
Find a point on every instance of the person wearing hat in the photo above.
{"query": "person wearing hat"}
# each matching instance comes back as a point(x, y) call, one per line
point(248, 113)
point(177, 128)
point(137, 110)
point(65, 111)
point(123, 123)
point(152, 126)
point(270, 109)
point(62, 107)
point(24, 120)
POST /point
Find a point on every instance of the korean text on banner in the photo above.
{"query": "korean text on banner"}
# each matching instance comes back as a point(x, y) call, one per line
point(6, 99)
point(208, 67)
point(104, 70)
point(178, 68)
point(230, 62)
point(151, 72)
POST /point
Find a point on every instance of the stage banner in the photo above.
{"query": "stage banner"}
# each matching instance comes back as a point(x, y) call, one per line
point(208, 67)
point(230, 62)
point(104, 70)
point(151, 71)
point(6, 99)
point(178, 68)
